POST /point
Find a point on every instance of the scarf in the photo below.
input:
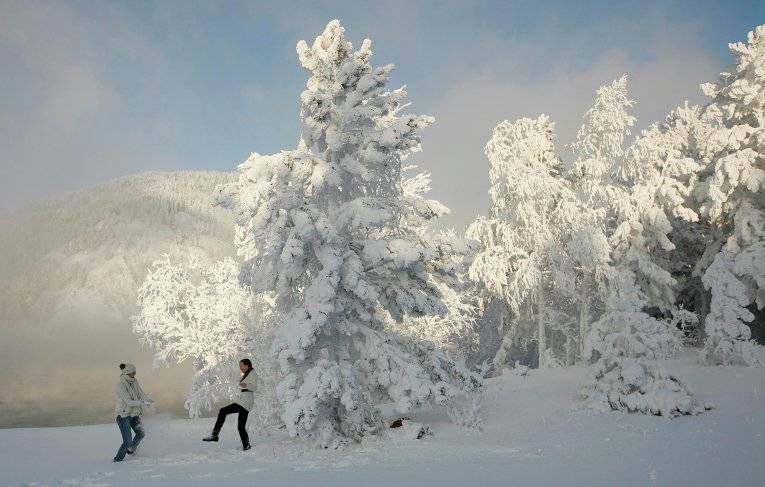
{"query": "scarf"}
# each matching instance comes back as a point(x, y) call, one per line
point(133, 388)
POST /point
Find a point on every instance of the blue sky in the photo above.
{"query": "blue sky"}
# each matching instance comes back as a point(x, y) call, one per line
point(92, 90)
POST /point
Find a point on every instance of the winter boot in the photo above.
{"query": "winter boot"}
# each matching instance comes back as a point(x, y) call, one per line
point(246, 447)
point(212, 437)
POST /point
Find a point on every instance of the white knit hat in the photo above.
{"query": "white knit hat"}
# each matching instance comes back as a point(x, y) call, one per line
point(127, 368)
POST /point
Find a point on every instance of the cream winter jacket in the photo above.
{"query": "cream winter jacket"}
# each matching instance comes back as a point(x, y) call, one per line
point(130, 397)
point(247, 398)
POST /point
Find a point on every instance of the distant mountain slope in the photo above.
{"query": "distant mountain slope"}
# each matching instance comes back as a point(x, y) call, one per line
point(87, 251)
point(69, 270)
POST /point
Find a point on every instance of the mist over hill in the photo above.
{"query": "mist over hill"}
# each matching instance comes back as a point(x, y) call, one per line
point(69, 270)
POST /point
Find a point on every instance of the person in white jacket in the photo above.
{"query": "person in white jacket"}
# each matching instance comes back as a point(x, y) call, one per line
point(242, 405)
point(131, 401)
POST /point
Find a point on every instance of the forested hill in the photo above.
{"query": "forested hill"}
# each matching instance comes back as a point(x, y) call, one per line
point(88, 251)
point(69, 271)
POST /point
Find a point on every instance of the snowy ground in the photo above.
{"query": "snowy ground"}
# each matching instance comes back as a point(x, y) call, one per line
point(533, 435)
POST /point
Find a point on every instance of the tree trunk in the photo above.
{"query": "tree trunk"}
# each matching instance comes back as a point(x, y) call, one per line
point(702, 310)
point(541, 335)
point(584, 317)
point(500, 356)
point(570, 346)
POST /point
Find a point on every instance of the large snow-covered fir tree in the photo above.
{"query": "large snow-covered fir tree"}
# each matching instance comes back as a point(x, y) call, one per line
point(328, 230)
point(732, 195)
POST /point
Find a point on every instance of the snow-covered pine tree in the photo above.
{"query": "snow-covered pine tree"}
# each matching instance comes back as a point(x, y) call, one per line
point(732, 192)
point(598, 152)
point(663, 165)
point(628, 215)
point(626, 340)
point(188, 312)
point(328, 230)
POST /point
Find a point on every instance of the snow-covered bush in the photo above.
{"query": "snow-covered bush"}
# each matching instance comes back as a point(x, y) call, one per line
point(328, 230)
point(727, 335)
point(203, 315)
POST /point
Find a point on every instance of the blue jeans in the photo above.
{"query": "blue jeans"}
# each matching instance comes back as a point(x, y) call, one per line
point(129, 443)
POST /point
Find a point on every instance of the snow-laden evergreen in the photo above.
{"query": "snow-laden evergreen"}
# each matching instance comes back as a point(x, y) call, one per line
point(629, 344)
point(328, 229)
point(663, 165)
point(727, 335)
point(705, 167)
point(732, 195)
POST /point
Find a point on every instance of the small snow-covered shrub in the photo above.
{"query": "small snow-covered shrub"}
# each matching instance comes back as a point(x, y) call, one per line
point(627, 375)
point(465, 410)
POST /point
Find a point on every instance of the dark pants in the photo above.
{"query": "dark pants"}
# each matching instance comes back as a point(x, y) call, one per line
point(241, 423)
point(128, 443)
